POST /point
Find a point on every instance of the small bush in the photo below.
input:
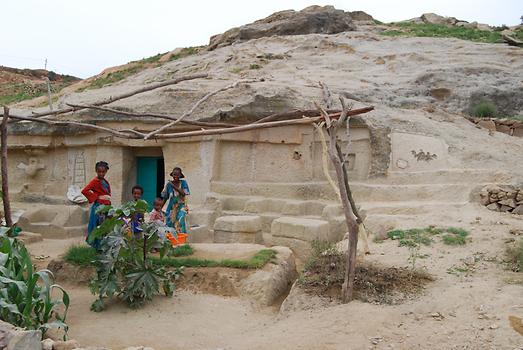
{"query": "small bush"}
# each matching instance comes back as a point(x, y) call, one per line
point(183, 250)
point(80, 255)
point(484, 109)
point(254, 66)
point(455, 236)
point(514, 255)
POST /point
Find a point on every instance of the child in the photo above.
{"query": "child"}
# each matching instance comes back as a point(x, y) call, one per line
point(137, 192)
point(137, 219)
point(97, 192)
point(157, 215)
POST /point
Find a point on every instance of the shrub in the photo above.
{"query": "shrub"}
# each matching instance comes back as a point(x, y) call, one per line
point(80, 255)
point(484, 109)
point(28, 297)
point(514, 256)
point(123, 267)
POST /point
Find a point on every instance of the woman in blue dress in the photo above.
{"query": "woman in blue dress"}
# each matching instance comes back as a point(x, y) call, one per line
point(175, 194)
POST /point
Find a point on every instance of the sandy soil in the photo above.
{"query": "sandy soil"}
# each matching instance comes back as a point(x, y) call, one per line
point(465, 309)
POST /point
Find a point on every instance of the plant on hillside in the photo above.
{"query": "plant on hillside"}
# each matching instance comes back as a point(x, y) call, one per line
point(441, 31)
point(184, 52)
point(514, 256)
point(484, 109)
point(414, 238)
point(28, 298)
point(123, 268)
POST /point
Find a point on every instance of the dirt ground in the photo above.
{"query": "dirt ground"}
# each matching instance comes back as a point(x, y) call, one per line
point(467, 307)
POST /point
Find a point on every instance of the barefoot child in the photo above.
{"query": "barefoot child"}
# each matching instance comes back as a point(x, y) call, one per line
point(97, 192)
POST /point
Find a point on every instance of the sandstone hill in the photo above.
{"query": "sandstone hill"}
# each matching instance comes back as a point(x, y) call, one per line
point(423, 84)
point(20, 84)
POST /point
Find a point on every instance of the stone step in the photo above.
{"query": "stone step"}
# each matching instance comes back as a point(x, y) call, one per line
point(200, 234)
point(402, 193)
point(50, 230)
point(236, 195)
point(298, 233)
point(30, 237)
point(312, 190)
point(202, 217)
point(230, 201)
point(55, 221)
point(238, 229)
point(409, 207)
point(443, 176)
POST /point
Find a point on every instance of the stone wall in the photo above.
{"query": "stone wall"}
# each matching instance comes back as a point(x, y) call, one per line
point(42, 168)
point(507, 199)
point(507, 126)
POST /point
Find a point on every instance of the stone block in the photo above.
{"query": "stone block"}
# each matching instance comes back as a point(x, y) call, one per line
point(503, 128)
point(487, 124)
point(518, 131)
point(25, 340)
point(332, 210)
point(200, 234)
point(264, 205)
point(300, 208)
point(238, 223)
point(493, 206)
point(237, 237)
point(518, 210)
point(238, 229)
point(300, 228)
point(508, 202)
point(301, 249)
point(505, 209)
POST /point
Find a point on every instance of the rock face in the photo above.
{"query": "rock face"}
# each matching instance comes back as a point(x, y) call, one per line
point(313, 19)
point(433, 18)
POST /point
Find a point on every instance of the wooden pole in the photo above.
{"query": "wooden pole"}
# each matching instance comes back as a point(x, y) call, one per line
point(5, 183)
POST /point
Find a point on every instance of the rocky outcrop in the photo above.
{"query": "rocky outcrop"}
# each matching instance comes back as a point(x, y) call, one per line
point(507, 199)
point(313, 19)
point(507, 126)
point(432, 18)
point(13, 338)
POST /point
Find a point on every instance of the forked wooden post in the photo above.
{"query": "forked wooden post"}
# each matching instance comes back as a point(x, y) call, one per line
point(347, 202)
point(5, 182)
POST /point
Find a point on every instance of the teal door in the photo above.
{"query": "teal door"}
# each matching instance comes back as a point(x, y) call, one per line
point(150, 175)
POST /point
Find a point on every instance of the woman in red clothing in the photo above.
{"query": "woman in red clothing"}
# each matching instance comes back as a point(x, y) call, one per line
point(97, 192)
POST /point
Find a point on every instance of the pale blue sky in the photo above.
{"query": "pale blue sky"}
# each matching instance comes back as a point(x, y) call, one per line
point(84, 37)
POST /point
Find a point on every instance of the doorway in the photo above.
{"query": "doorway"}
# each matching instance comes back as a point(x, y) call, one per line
point(151, 176)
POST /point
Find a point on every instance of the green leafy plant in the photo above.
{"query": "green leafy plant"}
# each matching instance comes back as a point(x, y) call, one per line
point(414, 238)
point(28, 297)
point(485, 109)
point(123, 268)
point(455, 236)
